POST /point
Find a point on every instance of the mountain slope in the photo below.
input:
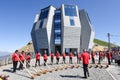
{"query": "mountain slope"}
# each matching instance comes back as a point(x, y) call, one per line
point(99, 45)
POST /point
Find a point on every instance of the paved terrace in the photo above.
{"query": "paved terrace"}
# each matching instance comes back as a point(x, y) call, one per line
point(111, 73)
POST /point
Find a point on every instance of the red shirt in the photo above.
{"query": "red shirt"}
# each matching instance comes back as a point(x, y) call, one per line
point(22, 57)
point(100, 54)
point(92, 55)
point(28, 57)
point(57, 55)
point(15, 57)
point(108, 55)
point(85, 57)
point(70, 55)
point(79, 56)
point(38, 56)
point(64, 55)
point(52, 55)
point(45, 57)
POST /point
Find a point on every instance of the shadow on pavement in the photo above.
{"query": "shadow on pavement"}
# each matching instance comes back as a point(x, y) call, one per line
point(22, 75)
point(8, 70)
point(71, 76)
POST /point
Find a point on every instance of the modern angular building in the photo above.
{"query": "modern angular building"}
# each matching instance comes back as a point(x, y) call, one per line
point(62, 29)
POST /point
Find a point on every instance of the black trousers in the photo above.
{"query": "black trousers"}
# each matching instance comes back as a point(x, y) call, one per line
point(15, 65)
point(70, 60)
point(21, 65)
point(37, 61)
point(52, 60)
point(93, 60)
point(57, 60)
point(63, 60)
point(100, 59)
point(109, 62)
point(28, 64)
point(45, 62)
point(85, 69)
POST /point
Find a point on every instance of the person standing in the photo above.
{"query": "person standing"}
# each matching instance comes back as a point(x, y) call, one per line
point(15, 59)
point(100, 57)
point(45, 59)
point(85, 59)
point(64, 56)
point(70, 57)
point(93, 57)
point(57, 57)
point(52, 57)
point(108, 55)
point(78, 58)
point(28, 59)
point(37, 58)
point(22, 58)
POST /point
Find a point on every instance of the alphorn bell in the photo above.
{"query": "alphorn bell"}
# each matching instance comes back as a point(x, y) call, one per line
point(49, 69)
point(107, 64)
point(33, 68)
point(101, 65)
point(96, 65)
point(33, 76)
point(90, 66)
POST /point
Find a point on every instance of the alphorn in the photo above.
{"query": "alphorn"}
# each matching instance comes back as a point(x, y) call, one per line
point(77, 65)
point(33, 76)
point(49, 69)
point(38, 73)
point(107, 64)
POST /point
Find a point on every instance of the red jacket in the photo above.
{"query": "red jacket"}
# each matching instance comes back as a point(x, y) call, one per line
point(79, 56)
point(70, 55)
point(108, 55)
point(92, 55)
point(100, 54)
point(28, 57)
point(85, 57)
point(45, 57)
point(15, 57)
point(52, 55)
point(37, 56)
point(22, 57)
point(64, 55)
point(57, 55)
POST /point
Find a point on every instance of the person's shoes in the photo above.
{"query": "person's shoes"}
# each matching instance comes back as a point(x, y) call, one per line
point(13, 71)
point(84, 77)
point(88, 75)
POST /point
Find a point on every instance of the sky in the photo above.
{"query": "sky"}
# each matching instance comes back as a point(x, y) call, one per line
point(17, 17)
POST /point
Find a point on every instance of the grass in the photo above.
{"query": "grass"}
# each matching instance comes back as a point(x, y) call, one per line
point(100, 42)
point(103, 43)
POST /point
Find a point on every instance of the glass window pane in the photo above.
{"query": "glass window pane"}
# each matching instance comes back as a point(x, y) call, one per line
point(72, 22)
point(70, 10)
point(44, 13)
point(41, 24)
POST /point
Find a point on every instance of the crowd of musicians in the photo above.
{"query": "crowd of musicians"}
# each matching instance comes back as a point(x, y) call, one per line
point(83, 57)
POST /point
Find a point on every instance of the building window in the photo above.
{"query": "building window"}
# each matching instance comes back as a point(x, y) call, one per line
point(72, 22)
point(44, 13)
point(70, 10)
point(57, 26)
point(41, 24)
point(57, 35)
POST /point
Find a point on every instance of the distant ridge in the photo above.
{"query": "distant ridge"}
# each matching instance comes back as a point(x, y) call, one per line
point(103, 43)
point(27, 48)
point(99, 45)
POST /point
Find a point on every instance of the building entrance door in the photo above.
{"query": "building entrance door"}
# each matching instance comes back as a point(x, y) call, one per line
point(58, 48)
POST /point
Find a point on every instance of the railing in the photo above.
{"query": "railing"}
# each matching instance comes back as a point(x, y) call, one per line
point(8, 59)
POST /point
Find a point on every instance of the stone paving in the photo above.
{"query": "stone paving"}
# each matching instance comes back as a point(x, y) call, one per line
point(65, 74)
